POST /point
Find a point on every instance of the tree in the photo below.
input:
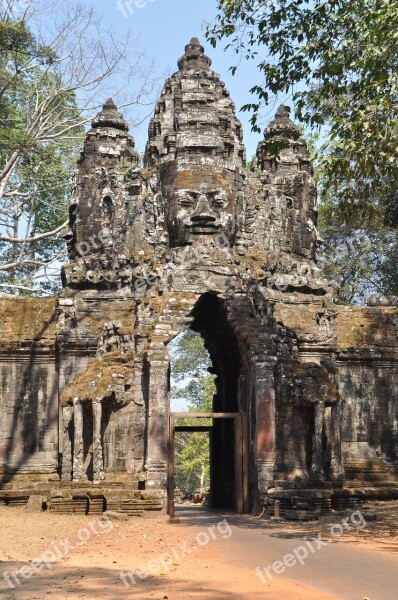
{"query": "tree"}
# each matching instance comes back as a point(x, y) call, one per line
point(57, 65)
point(192, 384)
point(337, 61)
point(358, 254)
point(359, 248)
point(192, 461)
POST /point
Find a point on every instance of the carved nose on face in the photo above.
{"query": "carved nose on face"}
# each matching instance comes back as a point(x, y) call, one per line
point(203, 212)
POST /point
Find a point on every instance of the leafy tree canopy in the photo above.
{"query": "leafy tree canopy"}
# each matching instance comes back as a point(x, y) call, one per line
point(38, 164)
point(337, 60)
point(358, 255)
point(58, 63)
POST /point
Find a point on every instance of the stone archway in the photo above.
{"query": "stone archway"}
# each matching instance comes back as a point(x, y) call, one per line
point(208, 316)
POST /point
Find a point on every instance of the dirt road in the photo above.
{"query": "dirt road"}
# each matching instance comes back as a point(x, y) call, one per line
point(207, 556)
point(336, 556)
point(94, 560)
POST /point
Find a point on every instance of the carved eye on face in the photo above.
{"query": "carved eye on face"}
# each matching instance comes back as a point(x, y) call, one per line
point(186, 199)
point(185, 202)
point(219, 202)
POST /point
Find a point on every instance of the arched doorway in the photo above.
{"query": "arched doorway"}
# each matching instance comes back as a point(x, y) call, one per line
point(226, 417)
point(192, 389)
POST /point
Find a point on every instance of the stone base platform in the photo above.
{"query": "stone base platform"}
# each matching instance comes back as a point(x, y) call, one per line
point(324, 500)
point(89, 499)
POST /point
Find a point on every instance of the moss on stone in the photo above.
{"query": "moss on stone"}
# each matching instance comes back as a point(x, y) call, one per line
point(98, 378)
point(93, 316)
point(27, 321)
point(365, 327)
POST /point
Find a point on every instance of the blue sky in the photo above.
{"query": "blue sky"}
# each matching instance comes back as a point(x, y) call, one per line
point(165, 27)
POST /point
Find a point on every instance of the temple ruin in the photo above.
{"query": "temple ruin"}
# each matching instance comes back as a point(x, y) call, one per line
point(196, 238)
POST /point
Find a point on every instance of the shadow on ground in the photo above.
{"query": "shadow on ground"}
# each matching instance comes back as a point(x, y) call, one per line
point(62, 582)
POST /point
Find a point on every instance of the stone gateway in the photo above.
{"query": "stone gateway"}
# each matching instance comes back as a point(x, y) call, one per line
point(196, 238)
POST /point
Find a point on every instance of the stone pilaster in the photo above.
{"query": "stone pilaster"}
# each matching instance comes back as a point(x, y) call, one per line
point(265, 424)
point(158, 411)
point(98, 457)
point(78, 458)
point(67, 432)
point(317, 445)
point(337, 470)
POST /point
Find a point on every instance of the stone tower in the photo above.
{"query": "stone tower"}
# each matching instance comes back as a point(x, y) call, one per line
point(195, 238)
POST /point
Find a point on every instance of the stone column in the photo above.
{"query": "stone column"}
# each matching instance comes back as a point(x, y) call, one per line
point(158, 411)
point(67, 432)
point(265, 450)
point(337, 469)
point(78, 458)
point(135, 454)
point(317, 445)
point(98, 457)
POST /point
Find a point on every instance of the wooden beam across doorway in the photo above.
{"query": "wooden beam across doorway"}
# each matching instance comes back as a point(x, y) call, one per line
point(194, 428)
point(241, 455)
point(192, 415)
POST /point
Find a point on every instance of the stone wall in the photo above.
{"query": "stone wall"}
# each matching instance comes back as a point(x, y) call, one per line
point(28, 389)
point(367, 367)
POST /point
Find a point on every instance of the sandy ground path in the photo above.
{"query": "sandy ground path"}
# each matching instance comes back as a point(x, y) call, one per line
point(342, 554)
point(90, 556)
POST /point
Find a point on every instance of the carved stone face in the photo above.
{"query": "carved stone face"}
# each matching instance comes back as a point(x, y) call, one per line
point(198, 208)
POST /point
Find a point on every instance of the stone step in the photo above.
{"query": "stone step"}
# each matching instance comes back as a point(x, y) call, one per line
point(141, 505)
point(134, 513)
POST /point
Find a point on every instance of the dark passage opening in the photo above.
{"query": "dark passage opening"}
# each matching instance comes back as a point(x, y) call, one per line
point(210, 321)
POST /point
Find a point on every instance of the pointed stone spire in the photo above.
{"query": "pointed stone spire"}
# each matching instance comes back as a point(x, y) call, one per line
point(282, 138)
point(109, 105)
point(282, 125)
point(195, 119)
point(110, 117)
point(194, 57)
point(100, 192)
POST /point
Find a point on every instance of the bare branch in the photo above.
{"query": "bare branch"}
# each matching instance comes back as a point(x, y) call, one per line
point(46, 88)
point(9, 165)
point(36, 238)
point(36, 263)
point(20, 287)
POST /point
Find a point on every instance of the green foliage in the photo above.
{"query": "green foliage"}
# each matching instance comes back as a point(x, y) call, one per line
point(358, 255)
point(192, 461)
point(359, 249)
point(192, 384)
point(58, 62)
point(40, 133)
point(337, 60)
point(190, 357)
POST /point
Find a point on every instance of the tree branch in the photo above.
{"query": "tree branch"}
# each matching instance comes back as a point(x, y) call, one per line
point(36, 238)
